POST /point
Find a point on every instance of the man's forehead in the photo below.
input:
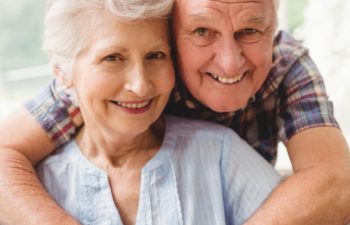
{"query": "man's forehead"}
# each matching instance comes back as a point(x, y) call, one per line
point(196, 7)
point(257, 12)
point(193, 6)
point(197, 3)
point(236, 1)
point(226, 1)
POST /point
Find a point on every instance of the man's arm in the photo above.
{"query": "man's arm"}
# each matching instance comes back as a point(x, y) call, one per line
point(23, 199)
point(318, 193)
point(20, 131)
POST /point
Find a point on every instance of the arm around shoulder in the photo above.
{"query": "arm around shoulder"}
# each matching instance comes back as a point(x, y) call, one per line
point(23, 200)
point(318, 193)
point(322, 154)
point(21, 132)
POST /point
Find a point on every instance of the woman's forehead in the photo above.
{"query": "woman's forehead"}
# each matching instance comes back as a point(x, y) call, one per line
point(119, 34)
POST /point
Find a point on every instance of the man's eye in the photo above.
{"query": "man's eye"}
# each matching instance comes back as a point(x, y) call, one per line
point(202, 32)
point(248, 35)
point(113, 57)
point(202, 36)
point(155, 55)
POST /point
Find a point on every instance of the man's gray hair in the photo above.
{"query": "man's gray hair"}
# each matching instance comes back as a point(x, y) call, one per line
point(67, 22)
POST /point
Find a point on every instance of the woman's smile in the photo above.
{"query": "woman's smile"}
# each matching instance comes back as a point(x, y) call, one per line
point(133, 107)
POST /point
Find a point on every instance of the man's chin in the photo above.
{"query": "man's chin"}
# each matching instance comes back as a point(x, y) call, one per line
point(222, 107)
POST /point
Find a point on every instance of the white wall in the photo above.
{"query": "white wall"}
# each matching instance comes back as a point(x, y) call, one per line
point(326, 32)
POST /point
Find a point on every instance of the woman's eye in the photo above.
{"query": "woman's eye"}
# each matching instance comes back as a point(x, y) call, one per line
point(248, 35)
point(113, 57)
point(155, 55)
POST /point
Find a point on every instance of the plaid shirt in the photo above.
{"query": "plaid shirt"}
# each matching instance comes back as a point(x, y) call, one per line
point(293, 98)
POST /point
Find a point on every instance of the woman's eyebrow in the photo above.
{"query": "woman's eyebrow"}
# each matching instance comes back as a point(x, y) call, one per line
point(110, 43)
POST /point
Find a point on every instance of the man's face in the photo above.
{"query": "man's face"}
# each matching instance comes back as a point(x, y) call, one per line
point(224, 49)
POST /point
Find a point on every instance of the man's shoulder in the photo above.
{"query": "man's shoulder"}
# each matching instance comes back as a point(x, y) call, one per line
point(288, 53)
point(287, 50)
point(287, 46)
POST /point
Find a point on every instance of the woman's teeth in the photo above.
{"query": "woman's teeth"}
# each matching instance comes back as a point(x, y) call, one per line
point(227, 80)
point(133, 105)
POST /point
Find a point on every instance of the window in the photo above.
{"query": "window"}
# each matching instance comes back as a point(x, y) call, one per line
point(23, 66)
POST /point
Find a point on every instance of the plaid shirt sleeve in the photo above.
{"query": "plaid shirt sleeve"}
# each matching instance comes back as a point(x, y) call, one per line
point(304, 102)
point(56, 113)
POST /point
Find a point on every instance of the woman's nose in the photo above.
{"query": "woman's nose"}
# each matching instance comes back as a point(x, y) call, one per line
point(138, 82)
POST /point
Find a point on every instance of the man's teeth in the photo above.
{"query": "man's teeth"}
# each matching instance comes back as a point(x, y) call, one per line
point(133, 105)
point(227, 80)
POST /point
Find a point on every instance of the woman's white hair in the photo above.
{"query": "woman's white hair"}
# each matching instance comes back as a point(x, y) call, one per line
point(67, 22)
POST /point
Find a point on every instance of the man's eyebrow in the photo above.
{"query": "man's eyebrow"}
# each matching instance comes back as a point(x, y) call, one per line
point(255, 20)
point(203, 17)
point(200, 17)
point(242, 1)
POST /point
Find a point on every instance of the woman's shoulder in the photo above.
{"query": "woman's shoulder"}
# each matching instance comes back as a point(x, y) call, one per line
point(193, 128)
point(66, 154)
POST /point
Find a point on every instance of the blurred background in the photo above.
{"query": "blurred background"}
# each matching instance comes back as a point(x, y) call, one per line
point(322, 25)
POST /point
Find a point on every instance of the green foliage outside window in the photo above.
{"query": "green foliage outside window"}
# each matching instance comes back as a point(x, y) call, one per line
point(21, 24)
point(295, 13)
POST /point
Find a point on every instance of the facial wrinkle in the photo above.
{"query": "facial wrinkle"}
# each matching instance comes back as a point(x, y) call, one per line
point(236, 2)
point(251, 20)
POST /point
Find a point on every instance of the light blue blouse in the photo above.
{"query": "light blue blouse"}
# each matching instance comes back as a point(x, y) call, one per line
point(203, 174)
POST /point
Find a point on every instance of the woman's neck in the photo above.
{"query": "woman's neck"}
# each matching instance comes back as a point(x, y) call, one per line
point(120, 151)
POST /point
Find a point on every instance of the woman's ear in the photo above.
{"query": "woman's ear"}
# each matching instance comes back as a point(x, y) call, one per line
point(62, 76)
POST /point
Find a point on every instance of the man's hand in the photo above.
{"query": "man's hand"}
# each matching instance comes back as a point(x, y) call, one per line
point(318, 193)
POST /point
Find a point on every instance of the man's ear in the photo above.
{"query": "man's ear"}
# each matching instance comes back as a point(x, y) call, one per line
point(62, 76)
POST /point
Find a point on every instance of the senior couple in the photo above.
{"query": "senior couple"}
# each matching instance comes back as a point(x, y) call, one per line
point(128, 164)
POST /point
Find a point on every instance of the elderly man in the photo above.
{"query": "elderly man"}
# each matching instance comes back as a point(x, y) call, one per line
point(235, 71)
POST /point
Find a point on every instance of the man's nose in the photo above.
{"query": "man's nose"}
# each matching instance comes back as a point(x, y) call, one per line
point(138, 81)
point(229, 56)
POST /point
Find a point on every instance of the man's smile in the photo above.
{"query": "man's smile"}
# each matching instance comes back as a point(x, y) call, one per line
point(227, 80)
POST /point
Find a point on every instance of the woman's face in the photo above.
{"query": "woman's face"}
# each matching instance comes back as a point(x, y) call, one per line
point(124, 77)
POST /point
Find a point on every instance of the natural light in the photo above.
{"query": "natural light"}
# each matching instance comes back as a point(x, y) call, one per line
point(323, 28)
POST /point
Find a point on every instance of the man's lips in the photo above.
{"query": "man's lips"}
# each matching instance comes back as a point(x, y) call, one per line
point(227, 80)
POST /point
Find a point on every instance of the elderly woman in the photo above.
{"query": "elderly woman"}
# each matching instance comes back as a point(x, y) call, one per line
point(128, 164)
